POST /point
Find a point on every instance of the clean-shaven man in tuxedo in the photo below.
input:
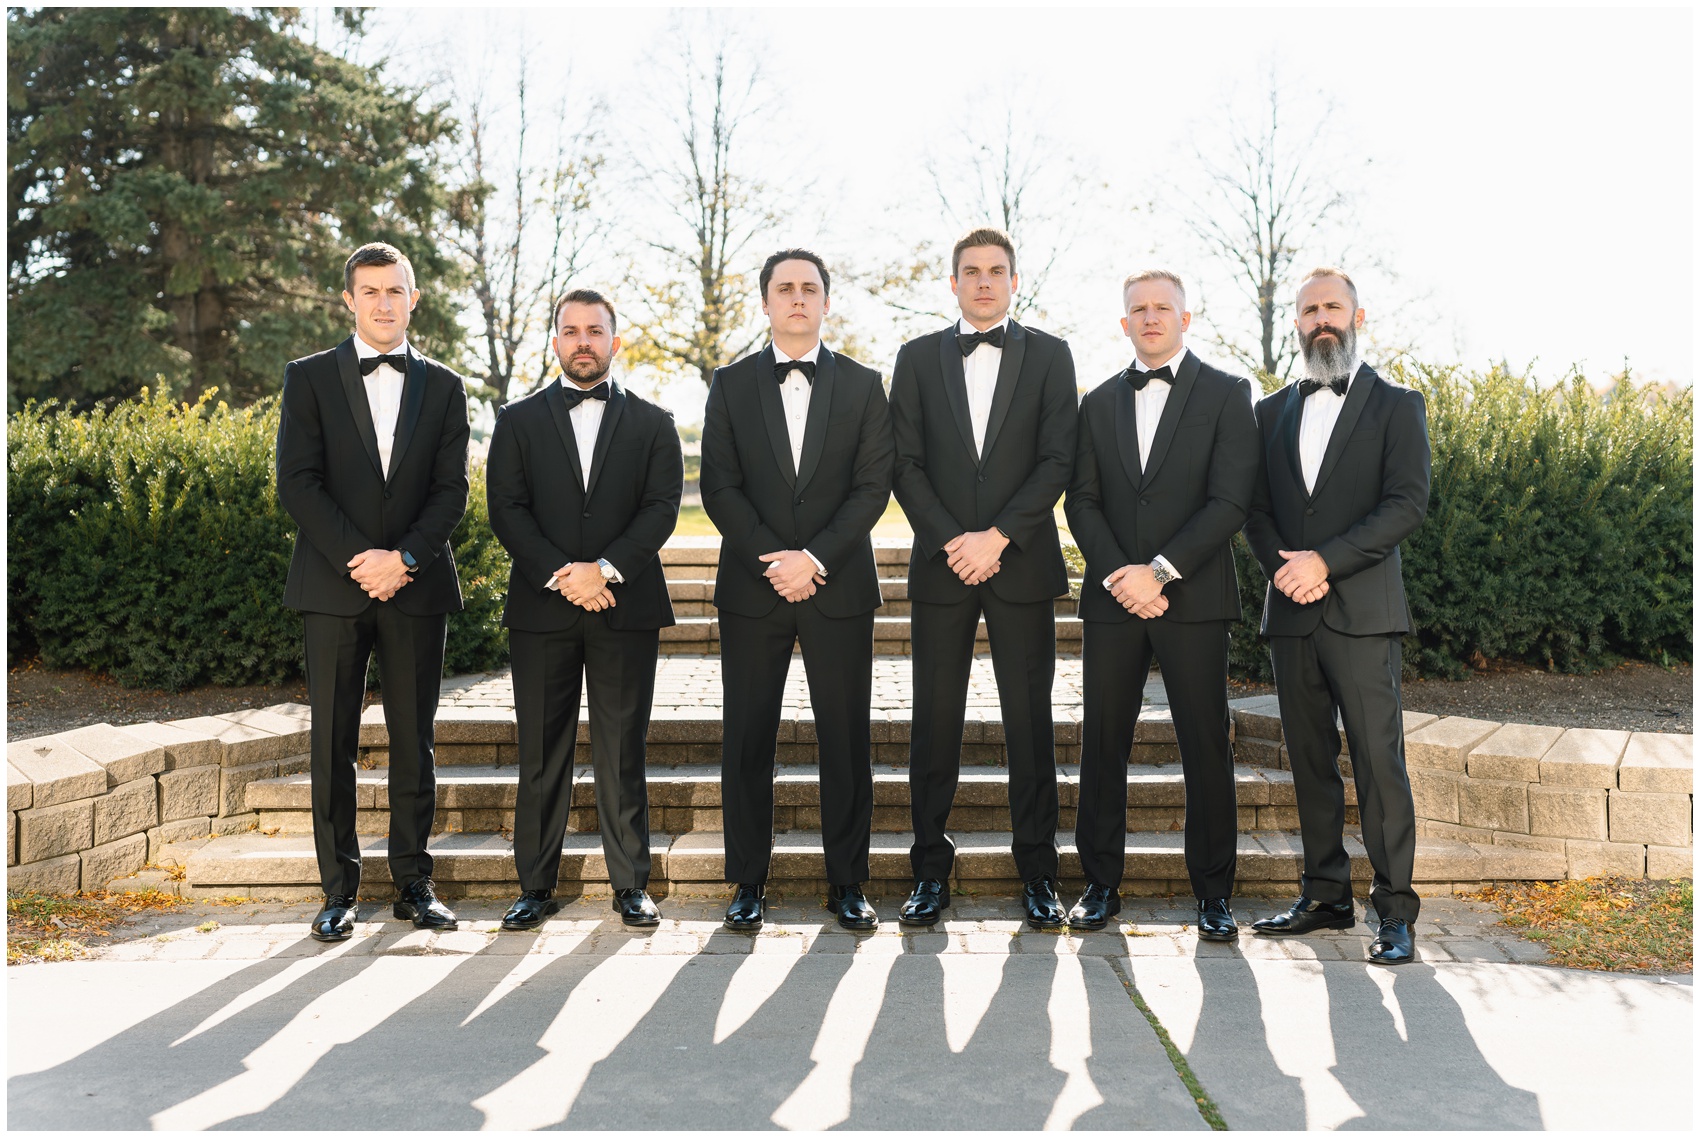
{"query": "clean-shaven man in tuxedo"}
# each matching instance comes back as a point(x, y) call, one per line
point(371, 464)
point(1346, 478)
point(796, 469)
point(584, 481)
point(983, 413)
point(1163, 478)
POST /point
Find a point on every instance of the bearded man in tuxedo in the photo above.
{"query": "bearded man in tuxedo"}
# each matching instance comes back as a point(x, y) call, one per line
point(1345, 480)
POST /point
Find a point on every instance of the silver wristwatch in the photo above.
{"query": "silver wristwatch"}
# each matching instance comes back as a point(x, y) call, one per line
point(1161, 572)
point(607, 567)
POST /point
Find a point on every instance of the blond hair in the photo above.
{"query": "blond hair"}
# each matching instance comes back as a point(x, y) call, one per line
point(1144, 275)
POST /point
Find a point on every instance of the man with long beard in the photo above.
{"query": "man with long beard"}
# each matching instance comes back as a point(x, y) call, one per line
point(1346, 479)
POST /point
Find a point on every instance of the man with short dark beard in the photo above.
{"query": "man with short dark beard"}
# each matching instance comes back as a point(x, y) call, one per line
point(1346, 479)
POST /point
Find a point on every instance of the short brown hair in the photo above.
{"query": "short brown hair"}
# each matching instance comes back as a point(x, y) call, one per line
point(1338, 274)
point(375, 253)
point(783, 255)
point(585, 296)
point(1144, 275)
point(985, 235)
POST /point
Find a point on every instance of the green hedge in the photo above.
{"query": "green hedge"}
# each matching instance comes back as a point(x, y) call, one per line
point(147, 541)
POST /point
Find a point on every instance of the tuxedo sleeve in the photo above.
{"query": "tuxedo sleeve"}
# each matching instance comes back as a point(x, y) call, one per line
point(301, 475)
point(1261, 533)
point(870, 487)
point(1084, 507)
point(722, 481)
point(1236, 457)
point(1027, 513)
point(445, 502)
point(658, 510)
point(509, 494)
point(928, 516)
point(1404, 494)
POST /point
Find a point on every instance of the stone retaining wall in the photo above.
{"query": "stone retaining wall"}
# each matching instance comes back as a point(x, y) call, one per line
point(92, 805)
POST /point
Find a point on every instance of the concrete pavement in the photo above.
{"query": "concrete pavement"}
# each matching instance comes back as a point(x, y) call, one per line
point(980, 1025)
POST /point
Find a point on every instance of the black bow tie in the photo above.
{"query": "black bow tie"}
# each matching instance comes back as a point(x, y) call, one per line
point(1140, 378)
point(370, 364)
point(782, 371)
point(968, 341)
point(1309, 387)
point(575, 396)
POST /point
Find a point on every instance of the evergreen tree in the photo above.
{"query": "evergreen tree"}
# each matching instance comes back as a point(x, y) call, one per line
point(185, 185)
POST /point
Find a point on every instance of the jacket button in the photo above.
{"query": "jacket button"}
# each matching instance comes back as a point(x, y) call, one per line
point(1145, 501)
point(386, 495)
point(982, 478)
point(587, 513)
point(1310, 513)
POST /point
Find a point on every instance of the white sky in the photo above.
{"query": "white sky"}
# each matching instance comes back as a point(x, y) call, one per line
point(1531, 178)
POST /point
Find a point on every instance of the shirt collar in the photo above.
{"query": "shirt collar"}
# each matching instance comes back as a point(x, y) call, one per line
point(1173, 363)
point(810, 356)
point(365, 351)
point(966, 329)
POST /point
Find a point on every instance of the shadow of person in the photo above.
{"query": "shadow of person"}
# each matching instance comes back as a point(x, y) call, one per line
point(1405, 1054)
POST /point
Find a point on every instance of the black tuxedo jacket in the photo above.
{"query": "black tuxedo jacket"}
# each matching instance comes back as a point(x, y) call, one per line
point(760, 504)
point(331, 481)
point(1371, 493)
point(946, 489)
point(545, 517)
point(1189, 501)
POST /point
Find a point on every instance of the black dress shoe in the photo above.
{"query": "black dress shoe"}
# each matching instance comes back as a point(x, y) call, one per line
point(1095, 908)
point(744, 914)
point(1044, 911)
point(1306, 916)
point(532, 909)
point(1216, 920)
point(636, 909)
point(854, 910)
point(418, 903)
point(925, 905)
point(1393, 943)
point(335, 921)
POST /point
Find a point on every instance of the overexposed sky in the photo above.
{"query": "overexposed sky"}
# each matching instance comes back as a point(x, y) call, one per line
point(1529, 178)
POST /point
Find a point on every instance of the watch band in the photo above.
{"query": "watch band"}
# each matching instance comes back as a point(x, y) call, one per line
point(407, 559)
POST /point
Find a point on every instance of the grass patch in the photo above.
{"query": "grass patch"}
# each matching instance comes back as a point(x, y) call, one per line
point(1607, 924)
point(41, 926)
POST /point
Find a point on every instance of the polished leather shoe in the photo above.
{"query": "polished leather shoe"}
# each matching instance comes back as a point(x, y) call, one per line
point(335, 921)
point(1044, 911)
point(1095, 908)
point(1393, 943)
point(1216, 920)
point(744, 914)
point(1306, 916)
point(418, 903)
point(925, 905)
point(854, 910)
point(636, 909)
point(532, 909)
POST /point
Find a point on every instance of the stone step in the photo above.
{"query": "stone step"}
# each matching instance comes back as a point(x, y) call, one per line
point(688, 798)
point(694, 597)
point(701, 635)
point(283, 867)
point(698, 558)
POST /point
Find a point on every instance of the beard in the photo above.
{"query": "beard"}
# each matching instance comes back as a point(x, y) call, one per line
point(1329, 357)
point(586, 371)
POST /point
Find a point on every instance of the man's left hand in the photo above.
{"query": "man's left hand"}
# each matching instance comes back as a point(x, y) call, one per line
point(974, 556)
point(380, 572)
point(792, 574)
point(1302, 573)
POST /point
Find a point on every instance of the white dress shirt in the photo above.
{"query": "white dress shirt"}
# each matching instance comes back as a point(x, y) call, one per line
point(587, 424)
point(1321, 411)
point(1148, 407)
point(980, 373)
point(794, 393)
point(383, 396)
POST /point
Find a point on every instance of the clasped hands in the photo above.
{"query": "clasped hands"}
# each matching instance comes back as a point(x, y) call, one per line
point(1136, 589)
point(581, 583)
point(380, 572)
point(792, 574)
point(1304, 578)
point(974, 556)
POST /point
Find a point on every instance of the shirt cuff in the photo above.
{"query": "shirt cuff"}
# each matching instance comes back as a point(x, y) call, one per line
point(1164, 561)
point(818, 566)
point(549, 585)
point(1106, 581)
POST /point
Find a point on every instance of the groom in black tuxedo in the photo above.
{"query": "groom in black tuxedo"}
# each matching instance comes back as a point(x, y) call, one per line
point(796, 469)
point(371, 465)
point(1346, 479)
point(584, 484)
point(1163, 478)
point(983, 414)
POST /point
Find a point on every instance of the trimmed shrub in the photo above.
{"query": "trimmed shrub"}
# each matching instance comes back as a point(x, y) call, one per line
point(147, 541)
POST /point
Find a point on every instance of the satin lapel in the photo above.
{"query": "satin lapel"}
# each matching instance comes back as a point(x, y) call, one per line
point(1356, 396)
point(412, 401)
point(956, 387)
point(773, 414)
point(610, 419)
point(354, 387)
point(1127, 430)
point(557, 405)
point(1009, 373)
point(1173, 408)
point(820, 409)
point(1287, 434)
